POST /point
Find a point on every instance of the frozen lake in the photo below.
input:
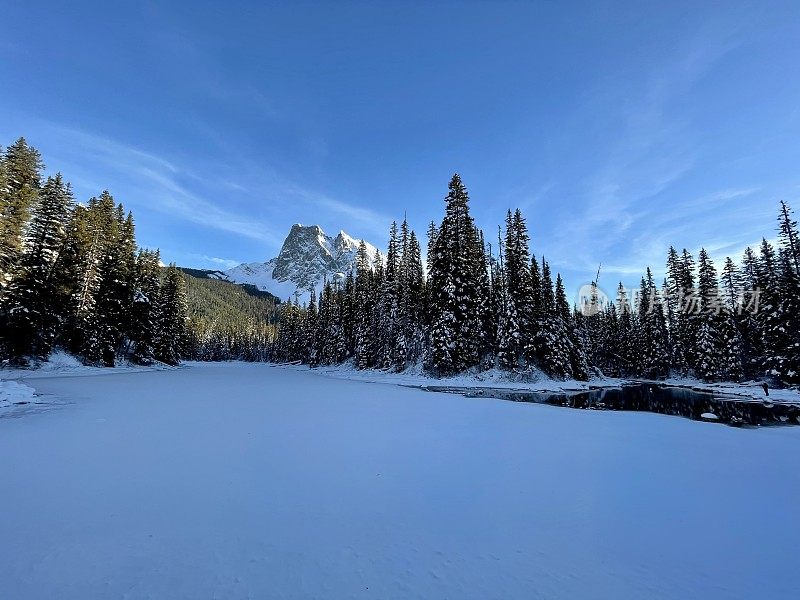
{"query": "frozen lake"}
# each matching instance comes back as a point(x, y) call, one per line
point(251, 481)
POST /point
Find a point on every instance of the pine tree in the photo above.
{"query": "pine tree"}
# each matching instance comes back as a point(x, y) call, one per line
point(171, 320)
point(653, 355)
point(31, 299)
point(455, 282)
point(388, 306)
point(311, 329)
point(552, 341)
point(730, 366)
point(789, 237)
point(21, 175)
point(518, 305)
point(678, 320)
point(144, 308)
point(785, 358)
point(751, 333)
point(578, 363)
point(707, 365)
point(412, 299)
point(733, 322)
point(78, 277)
point(117, 272)
point(363, 309)
point(508, 329)
point(706, 346)
point(770, 316)
point(626, 343)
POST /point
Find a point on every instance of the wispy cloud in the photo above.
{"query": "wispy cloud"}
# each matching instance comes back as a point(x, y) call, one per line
point(157, 184)
point(225, 263)
point(240, 198)
point(370, 220)
point(620, 214)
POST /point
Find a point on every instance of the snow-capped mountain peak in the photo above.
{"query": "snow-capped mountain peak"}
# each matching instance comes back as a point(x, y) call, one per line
point(308, 256)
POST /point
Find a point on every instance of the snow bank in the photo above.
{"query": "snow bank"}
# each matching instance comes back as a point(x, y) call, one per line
point(536, 381)
point(748, 389)
point(13, 393)
point(63, 364)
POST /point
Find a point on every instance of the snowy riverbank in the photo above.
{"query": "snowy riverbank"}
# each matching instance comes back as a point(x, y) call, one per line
point(537, 381)
point(61, 364)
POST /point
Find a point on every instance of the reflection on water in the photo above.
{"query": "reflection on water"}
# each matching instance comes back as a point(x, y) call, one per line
point(663, 399)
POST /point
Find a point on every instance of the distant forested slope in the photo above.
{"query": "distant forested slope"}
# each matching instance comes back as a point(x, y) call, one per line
point(226, 320)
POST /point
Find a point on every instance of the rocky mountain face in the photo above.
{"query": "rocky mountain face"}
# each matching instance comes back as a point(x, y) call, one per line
point(307, 257)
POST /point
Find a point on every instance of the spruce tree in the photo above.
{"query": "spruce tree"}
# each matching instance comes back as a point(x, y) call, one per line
point(518, 301)
point(455, 282)
point(552, 340)
point(144, 308)
point(508, 329)
point(78, 276)
point(363, 309)
point(653, 354)
point(388, 306)
point(21, 175)
point(708, 340)
point(31, 299)
point(625, 344)
point(789, 237)
point(117, 272)
point(171, 320)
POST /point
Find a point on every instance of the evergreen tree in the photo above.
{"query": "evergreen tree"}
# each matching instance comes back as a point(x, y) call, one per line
point(117, 272)
point(388, 329)
point(508, 329)
point(412, 299)
point(518, 310)
point(171, 318)
point(626, 345)
point(578, 363)
point(21, 180)
point(78, 276)
point(144, 308)
point(311, 329)
point(708, 340)
point(653, 355)
point(678, 319)
point(552, 341)
point(785, 353)
point(455, 281)
point(789, 237)
point(32, 310)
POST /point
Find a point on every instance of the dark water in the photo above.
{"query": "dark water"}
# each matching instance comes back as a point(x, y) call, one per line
point(662, 399)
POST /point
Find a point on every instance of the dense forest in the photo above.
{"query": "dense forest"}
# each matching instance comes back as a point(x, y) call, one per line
point(72, 276)
point(228, 321)
point(474, 309)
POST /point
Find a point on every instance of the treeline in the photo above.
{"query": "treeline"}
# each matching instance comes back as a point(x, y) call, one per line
point(477, 308)
point(72, 276)
point(743, 322)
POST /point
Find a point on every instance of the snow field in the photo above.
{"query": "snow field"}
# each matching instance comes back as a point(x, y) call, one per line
point(232, 480)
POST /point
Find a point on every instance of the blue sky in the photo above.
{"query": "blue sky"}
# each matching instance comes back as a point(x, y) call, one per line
point(618, 128)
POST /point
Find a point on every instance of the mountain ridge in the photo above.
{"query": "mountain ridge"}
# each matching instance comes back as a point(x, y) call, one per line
point(307, 257)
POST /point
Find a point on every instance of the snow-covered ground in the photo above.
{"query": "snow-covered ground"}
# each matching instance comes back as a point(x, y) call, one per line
point(13, 394)
point(232, 480)
point(62, 364)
